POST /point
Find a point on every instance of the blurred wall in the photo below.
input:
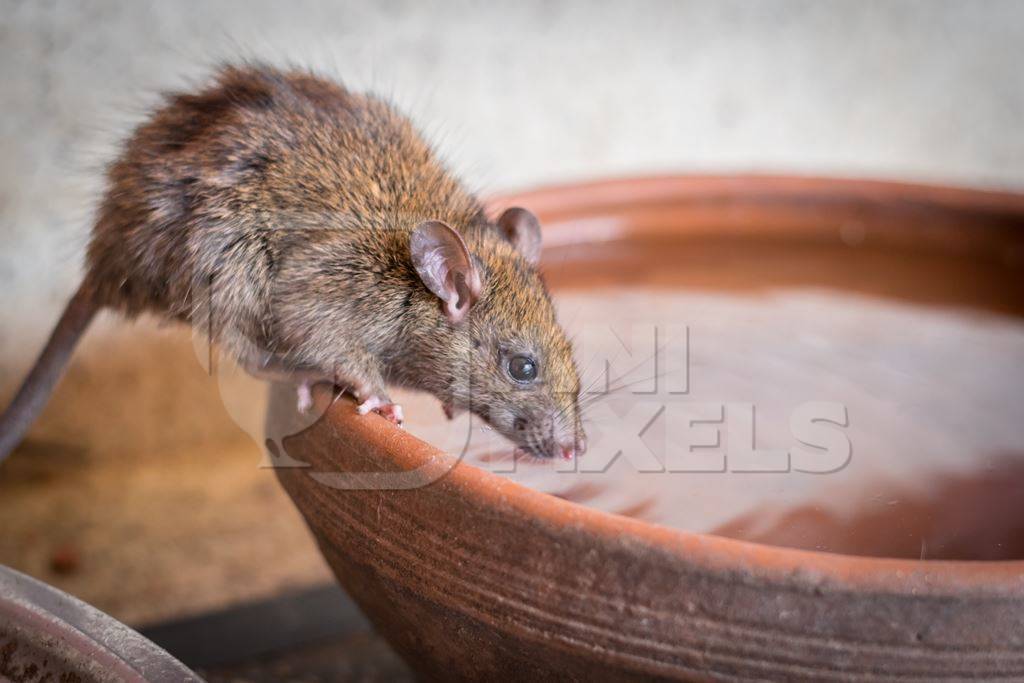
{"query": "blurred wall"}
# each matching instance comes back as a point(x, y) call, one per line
point(515, 94)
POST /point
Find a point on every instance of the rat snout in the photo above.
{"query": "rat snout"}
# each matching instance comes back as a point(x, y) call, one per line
point(573, 448)
point(548, 433)
point(567, 443)
point(555, 448)
point(575, 442)
point(568, 447)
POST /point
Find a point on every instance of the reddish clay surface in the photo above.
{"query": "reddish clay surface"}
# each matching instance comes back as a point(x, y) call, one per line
point(973, 516)
point(475, 577)
point(47, 635)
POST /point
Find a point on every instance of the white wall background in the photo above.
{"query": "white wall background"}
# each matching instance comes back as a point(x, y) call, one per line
point(516, 94)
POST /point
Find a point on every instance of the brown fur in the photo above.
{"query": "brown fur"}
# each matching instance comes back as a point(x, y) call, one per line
point(273, 211)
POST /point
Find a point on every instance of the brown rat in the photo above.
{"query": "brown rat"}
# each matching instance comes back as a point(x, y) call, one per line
point(311, 232)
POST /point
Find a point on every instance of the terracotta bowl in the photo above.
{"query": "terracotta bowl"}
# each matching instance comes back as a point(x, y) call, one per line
point(48, 635)
point(473, 576)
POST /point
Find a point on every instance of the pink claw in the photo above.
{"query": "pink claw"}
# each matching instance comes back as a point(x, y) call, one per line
point(393, 412)
point(386, 409)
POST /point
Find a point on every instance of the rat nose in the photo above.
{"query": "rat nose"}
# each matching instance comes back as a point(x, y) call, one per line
point(572, 449)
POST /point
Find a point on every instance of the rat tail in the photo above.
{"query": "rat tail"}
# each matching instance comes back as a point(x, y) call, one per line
point(47, 371)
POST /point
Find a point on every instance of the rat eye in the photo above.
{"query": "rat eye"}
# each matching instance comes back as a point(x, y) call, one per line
point(522, 368)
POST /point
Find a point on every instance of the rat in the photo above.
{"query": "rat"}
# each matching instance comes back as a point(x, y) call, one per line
point(314, 236)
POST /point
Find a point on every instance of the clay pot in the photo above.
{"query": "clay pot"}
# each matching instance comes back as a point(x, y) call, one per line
point(47, 635)
point(475, 577)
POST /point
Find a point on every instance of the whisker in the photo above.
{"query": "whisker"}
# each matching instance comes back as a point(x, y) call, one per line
point(592, 399)
point(657, 350)
point(615, 389)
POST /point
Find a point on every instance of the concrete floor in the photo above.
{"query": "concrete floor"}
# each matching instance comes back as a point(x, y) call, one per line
point(150, 510)
point(363, 657)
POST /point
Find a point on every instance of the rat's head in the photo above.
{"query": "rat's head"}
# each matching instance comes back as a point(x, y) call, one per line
point(512, 362)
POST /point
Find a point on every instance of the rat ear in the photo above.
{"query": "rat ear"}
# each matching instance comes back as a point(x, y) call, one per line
point(446, 267)
point(522, 230)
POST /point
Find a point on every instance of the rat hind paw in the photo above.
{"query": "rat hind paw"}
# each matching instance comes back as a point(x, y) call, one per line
point(304, 397)
point(383, 407)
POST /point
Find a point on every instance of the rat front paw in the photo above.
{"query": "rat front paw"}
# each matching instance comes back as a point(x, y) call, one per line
point(393, 412)
point(385, 408)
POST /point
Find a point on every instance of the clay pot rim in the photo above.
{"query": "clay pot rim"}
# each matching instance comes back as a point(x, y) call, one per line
point(600, 193)
point(707, 552)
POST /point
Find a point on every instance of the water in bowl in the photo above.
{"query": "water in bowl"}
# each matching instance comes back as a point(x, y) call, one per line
point(931, 399)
